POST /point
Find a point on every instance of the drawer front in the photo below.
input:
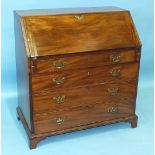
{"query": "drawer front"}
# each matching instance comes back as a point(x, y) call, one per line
point(89, 76)
point(65, 62)
point(64, 120)
point(72, 99)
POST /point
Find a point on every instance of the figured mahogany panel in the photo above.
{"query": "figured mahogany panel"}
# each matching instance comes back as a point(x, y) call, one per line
point(89, 76)
point(72, 99)
point(74, 33)
point(70, 62)
point(91, 114)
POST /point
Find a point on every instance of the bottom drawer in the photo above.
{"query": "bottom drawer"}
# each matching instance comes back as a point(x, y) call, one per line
point(47, 122)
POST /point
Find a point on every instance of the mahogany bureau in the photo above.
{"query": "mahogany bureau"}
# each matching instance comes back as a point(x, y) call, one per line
point(76, 69)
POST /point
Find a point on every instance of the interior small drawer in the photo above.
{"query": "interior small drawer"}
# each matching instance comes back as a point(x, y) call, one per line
point(81, 61)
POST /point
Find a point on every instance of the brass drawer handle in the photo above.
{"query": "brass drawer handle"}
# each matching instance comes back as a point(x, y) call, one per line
point(59, 99)
point(59, 121)
point(112, 110)
point(59, 64)
point(115, 58)
point(115, 72)
point(58, 81)
point(113, 91)
point(79, 17)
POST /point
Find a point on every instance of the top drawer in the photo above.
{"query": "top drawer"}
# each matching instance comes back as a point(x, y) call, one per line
point(81, 61)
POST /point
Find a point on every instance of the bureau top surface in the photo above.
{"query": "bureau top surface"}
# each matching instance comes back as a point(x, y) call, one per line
point(36, 12)
point(76, 30)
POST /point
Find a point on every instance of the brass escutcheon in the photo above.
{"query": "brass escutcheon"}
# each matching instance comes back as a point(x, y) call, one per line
point(112, 110)
point(59, 99)
point(79, 17)
point(115, 58)
point(60, 120)
point(59, 64)
point(113, 91)
point(115, 72)
point(58, 81)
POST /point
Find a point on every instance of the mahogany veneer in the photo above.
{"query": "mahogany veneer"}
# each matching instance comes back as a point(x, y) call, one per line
point(76, 69)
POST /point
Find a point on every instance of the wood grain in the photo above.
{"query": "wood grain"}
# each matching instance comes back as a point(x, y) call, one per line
point(80, 78)
point(96, 113)
point(66, 34)
point(73, 62)
point(83, 97)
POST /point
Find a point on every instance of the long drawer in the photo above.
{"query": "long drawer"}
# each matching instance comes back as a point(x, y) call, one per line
point(72, 99)
point(73, 62)
point(98, 112)
point(89, 76)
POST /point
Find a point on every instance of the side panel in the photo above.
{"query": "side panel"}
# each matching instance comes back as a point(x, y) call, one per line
point(22, 71)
